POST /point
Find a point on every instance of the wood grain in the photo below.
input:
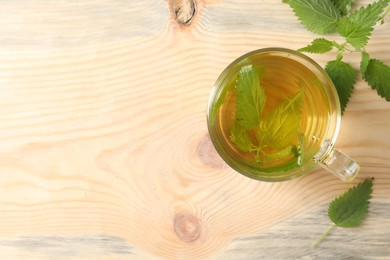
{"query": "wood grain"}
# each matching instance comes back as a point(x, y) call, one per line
point(104, 148)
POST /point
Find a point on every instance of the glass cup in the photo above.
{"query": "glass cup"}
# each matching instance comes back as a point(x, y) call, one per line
point(281, 73)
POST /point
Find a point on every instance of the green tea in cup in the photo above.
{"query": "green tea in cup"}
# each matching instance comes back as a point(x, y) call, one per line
point(274, 114)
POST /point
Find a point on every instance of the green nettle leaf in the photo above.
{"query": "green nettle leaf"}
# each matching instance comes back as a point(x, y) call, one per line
point(318, 16)
point(357, 27)
point(319, 45)
point(349, 209)
point(377, 75)
point(281, 154)
point(250, 97)
point(239, 135)
point(343, 77)
point(280, 127)
point(344, 6)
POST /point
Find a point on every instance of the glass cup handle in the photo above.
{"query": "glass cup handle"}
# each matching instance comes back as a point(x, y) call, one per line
point(340, 165)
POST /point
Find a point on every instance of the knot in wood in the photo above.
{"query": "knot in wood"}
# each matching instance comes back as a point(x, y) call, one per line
point(208, 154)
point(183, 11)
point(187, 227)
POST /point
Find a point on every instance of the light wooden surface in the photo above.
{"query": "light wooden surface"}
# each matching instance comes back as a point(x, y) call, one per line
point(104, 151)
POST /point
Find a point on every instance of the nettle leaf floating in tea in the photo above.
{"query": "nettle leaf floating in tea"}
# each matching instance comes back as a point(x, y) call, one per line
point(280, 127)
point(250, 97)
point(239, 135)
point(269, 137)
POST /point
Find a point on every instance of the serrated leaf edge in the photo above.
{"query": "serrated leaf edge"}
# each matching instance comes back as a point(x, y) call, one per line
point(313, 44)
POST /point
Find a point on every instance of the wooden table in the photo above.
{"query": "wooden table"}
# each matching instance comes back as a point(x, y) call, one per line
point(105, 153)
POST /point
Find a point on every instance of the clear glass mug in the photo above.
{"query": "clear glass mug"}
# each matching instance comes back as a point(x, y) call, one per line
point(281, 73)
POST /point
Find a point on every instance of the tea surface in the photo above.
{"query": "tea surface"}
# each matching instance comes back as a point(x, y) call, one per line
point(272, 113)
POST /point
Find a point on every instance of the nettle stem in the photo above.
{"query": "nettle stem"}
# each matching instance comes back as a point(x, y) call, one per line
point(340, 49)
point(384, 14)
point(352, 50)
point(324, 235)
point(258, 150)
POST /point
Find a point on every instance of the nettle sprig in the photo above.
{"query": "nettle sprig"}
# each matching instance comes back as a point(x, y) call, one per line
point(355, 26)
point(349, 209)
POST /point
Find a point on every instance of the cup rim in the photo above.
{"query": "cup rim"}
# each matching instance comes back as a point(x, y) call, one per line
point(249, 170)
